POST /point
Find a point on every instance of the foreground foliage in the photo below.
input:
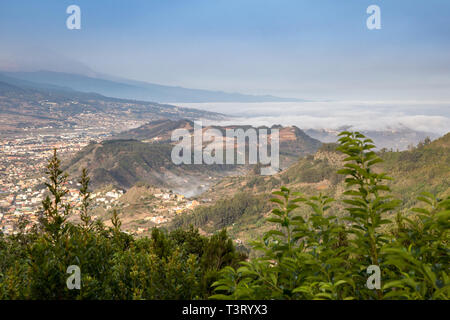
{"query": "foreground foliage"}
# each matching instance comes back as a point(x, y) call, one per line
point(312, 255)
point(181, 264)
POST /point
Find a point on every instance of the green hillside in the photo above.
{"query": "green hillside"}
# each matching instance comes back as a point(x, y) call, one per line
point(123, 163)
point(425, 168)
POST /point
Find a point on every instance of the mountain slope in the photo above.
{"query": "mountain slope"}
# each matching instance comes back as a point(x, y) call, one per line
point(159, 130)
point(294, 143)
point(27, 104)
point(123, 163)
point(127, 89)
point(144, 154)
point(425, 168)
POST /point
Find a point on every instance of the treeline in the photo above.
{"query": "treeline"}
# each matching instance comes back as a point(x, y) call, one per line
point(224, 212)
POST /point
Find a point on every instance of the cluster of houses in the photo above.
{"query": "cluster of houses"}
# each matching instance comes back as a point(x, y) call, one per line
point(22, 173)
point(29, 204)
point(181, 202)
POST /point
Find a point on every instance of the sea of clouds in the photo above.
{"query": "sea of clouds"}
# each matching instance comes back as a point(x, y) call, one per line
point(429, 116)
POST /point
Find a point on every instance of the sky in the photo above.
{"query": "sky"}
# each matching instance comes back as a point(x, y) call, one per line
point(317, 49)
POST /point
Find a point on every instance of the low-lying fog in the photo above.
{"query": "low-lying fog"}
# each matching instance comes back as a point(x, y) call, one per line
point(432, 117)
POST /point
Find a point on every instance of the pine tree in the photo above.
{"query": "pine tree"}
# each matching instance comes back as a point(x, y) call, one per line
point(85, 199)
point(55, 211)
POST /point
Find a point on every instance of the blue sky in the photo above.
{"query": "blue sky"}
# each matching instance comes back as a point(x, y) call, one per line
point(317, 49)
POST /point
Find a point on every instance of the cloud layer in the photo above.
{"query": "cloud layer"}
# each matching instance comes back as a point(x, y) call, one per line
point(432, 116)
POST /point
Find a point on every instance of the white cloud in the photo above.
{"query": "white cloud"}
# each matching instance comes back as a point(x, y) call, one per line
point(431, 116)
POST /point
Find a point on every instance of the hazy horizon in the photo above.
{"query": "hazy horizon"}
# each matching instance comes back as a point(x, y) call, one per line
point(288, 48)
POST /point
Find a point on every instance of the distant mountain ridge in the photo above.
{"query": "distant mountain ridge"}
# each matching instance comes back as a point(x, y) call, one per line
point(294, 142)
point(163, 128)
point(396, 139)
point(27, 104)
point(138, 90)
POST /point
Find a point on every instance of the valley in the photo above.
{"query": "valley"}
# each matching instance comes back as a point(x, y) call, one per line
point(126, 146)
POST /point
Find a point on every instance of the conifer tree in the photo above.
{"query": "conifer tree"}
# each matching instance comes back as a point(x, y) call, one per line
point(85, 199)
point(55, 211)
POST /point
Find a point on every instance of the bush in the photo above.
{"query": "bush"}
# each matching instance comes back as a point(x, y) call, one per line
point(317, 256)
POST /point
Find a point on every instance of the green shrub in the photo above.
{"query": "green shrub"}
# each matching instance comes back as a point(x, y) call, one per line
point(313, 255)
